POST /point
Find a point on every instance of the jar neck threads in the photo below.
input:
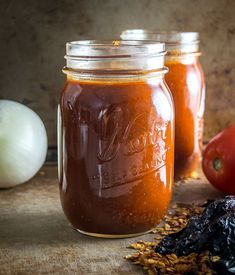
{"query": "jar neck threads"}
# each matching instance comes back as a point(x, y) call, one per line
point(111, 56)
point(176, 42)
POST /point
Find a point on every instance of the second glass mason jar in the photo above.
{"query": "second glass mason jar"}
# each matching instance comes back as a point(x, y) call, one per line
point(115, 138)
point(186, 82)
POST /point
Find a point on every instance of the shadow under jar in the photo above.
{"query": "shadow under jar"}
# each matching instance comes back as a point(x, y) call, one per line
point(115, 138)
point(186, 82)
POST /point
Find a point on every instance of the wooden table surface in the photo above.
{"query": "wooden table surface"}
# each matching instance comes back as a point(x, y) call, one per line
point(35, 237)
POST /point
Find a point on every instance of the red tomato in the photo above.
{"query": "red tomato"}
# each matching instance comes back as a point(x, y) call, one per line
point(218, 162)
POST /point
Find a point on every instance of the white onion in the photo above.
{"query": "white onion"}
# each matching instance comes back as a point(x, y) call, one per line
point(23, 143)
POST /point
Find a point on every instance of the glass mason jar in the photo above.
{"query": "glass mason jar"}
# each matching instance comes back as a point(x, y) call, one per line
point(186, 82)
point(115, 138)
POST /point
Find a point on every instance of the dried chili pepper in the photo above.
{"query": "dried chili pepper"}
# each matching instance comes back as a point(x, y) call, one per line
point(213, 230)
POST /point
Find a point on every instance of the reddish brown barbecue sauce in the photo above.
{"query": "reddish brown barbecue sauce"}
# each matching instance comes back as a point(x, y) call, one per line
point(186, 82)
point(117, 152)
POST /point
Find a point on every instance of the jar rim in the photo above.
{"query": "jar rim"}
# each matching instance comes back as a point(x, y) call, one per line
point(95, 49)
point(169, 37)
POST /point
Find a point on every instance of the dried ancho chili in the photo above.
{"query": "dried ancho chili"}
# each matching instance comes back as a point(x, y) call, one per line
point(213, 231)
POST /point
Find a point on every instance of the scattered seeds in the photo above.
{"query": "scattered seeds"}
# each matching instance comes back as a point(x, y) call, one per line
point(156, 263)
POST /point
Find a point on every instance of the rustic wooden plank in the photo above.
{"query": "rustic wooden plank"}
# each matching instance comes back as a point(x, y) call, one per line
point(35, 237)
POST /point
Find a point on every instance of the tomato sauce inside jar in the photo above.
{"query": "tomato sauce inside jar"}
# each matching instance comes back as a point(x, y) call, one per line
point(116, 146)
point(186, 81)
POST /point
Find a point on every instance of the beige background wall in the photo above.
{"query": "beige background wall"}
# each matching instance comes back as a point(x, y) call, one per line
point(33, 36)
